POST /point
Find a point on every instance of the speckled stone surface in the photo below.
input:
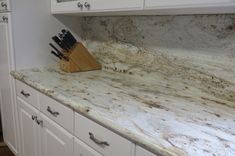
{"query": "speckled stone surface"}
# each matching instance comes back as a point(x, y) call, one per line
point(173, 111)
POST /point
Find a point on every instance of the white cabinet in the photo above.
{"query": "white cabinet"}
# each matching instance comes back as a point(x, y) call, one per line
point(94, 6)
point(184, 3)
point(139, 7)
point(29, 131)
point(6, 84)
point(81, 149)
point(40, 136)
point(66, 6)
point(189, 6)
point(142, 152)
point(55, 140)
point(112, 5)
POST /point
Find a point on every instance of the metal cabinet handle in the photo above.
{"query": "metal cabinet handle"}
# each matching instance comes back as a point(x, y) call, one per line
point(80, 5)
point(87, 5)
point(34, 117)
point(25, 94)
point(98, 142)
point(54, 113)
point(40, 122)
point(4, 5)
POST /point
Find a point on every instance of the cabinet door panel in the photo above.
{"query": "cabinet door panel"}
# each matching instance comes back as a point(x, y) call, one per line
point(55, 140)
point(66, 6)
point(177, 3)
point(114, 5)
point(81, 149)
point(29, 130)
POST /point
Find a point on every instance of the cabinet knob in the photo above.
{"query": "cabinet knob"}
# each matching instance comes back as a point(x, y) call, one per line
point(80, 5)
point(87, 5)
point(34, 117)
point(3, 4)
point(40, 122)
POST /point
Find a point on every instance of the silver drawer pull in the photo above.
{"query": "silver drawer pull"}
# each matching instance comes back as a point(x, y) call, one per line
point(55, 114)
point(87, 5)
point(80, 5)
point(98, 142)
point(25, 94)
point(4, 5)
point(39, 122)
point(34, 117)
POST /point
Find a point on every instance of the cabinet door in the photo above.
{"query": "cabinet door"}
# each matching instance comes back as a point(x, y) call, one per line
point(184, 3)
point(142, 152)
point(29, 130)
point(6, 84)
point(66, 6)
point(112, 5)
point(81, 149)
point(55, 140)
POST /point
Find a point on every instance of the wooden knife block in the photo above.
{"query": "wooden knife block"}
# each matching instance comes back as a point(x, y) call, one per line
point(79, 60)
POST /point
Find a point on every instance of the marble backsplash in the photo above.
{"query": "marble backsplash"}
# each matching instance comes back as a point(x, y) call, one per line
point(198, 50)
point(130, 43)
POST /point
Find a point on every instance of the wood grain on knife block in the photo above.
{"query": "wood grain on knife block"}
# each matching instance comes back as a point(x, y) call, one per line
point(79, 60)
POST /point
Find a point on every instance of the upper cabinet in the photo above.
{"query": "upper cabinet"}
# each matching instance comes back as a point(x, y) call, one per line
point(91, 6)
point(190, 6)
point(141, 7)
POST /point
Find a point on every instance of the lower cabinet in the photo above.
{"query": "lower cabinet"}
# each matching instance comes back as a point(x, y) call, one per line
point(81, 149)
point(47, 128)
point(40, 136)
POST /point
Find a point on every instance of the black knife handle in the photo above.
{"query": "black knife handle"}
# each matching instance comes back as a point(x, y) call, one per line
point(59, 53)
point(56, 54)
point(60, 43)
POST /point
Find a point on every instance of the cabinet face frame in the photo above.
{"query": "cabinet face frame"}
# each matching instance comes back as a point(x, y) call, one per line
point(9, 111)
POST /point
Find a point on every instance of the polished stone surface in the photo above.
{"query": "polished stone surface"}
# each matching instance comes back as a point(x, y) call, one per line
point(168, 107)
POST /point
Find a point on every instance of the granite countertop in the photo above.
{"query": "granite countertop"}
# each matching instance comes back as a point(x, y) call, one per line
point(168, 116)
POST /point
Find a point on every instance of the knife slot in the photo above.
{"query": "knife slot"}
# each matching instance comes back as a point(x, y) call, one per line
point(79, 60)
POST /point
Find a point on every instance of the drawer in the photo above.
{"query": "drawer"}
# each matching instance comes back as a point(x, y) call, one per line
point(27, 93)
point(57, 112)
point(101, 139)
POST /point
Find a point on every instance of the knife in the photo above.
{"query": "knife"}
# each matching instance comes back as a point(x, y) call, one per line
point(60, 43)
point(56, 54)
point(59, 53)
point(65, 42)
point(68, 35)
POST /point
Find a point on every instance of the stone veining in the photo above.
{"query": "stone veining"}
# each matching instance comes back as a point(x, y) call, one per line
point(169, 113)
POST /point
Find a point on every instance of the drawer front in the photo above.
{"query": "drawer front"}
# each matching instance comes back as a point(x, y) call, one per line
point(81, 149)
point(27, 93)
point(57, 112)
point(101, 139)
